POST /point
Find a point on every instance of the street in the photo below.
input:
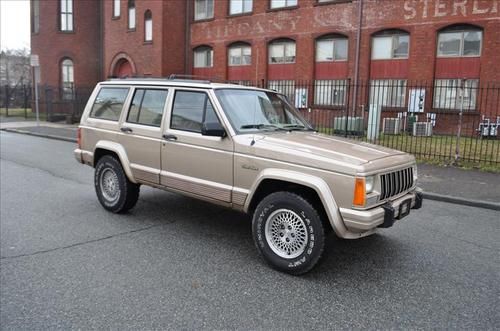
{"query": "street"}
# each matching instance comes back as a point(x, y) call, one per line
point(178, 263)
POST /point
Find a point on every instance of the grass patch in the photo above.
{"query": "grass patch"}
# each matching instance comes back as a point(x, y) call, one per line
point(20, 112)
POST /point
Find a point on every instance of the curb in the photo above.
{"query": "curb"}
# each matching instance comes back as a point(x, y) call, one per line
point(462, 201)
point(427, 195)
point(42, 135)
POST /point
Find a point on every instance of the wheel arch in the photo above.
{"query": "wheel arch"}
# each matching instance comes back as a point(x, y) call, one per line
point(314, 188)
point(111, 148)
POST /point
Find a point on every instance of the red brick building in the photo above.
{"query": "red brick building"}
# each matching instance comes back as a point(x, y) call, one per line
point(382, 47)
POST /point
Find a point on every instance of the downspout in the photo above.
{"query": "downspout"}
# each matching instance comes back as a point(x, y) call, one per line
point(187, 39)
point(100, 65)
point(356, 64)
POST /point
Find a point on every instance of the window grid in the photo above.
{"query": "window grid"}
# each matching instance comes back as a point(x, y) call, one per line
point(131, 15)
point(203, 57)
point(237, 7)
point(387, 47)
point(274, 4)
point(461, 46)
point(67, 79)
point(282, 52)
point(448, 94)
point(331, 49)
point(203, 9)
point(240, 55)
point(388, 92)
point(330, 92)
point(66, 14)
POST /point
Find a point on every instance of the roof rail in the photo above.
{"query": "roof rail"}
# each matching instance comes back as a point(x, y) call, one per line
point(200, 79)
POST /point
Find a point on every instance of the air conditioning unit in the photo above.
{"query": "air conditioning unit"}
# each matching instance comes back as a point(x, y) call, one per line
point(422, 129)
point(354, 125)
point(391, 126)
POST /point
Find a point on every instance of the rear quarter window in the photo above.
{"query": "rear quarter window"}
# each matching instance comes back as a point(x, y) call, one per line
point(109, 102)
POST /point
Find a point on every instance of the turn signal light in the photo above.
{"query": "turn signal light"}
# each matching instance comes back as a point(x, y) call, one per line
point(359, 193)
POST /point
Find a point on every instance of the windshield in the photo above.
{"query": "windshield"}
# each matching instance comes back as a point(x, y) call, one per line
point(250, 110)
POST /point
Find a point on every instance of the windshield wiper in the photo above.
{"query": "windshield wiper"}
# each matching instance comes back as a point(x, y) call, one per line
point(260, 126)
point(292, 127)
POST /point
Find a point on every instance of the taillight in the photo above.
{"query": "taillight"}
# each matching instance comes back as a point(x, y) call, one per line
point(79, 137)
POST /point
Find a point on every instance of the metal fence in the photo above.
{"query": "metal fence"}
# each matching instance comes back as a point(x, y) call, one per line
point(450, 119)
point(15, 98)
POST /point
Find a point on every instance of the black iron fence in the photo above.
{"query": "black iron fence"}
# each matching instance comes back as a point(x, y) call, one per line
point(15, 100)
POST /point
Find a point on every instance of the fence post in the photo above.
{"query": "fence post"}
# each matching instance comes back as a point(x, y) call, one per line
point(7, 97)
point(459, 131)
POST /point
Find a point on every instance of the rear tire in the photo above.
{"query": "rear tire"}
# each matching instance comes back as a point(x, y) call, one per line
point(288, 232)
point(114, 191)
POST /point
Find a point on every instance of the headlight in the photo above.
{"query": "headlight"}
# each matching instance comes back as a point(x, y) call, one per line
point(369, 183)
point(415, 173)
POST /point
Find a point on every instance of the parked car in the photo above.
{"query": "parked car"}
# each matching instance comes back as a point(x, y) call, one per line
point(248, 149)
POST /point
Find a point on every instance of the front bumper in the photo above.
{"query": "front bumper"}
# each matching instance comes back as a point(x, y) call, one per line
point(383, 216)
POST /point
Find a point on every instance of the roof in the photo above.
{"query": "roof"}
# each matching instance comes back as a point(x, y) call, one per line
point(206, 84)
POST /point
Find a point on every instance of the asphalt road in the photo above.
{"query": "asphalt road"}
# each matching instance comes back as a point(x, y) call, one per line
point(177, 263)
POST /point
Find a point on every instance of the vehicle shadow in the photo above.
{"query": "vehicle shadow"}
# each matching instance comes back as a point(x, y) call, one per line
point(368, 257)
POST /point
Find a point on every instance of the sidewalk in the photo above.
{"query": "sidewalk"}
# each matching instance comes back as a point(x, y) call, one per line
point(449, 184)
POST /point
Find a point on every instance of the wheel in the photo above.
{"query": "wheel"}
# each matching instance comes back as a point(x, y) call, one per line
point(114, 191)
point(288, 232)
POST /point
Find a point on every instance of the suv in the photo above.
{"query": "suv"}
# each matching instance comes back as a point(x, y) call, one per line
point(248, 149)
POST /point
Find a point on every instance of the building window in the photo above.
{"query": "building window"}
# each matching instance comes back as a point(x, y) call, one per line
point(67, 79)
point(35, 16)
point(116, 8)
point(459, 41)
point(66, 7)
point(388, 92)
point(282, 51)
point(203, 9)
point(283, 3)
point(390, 45)
point(240, 55)
point(148, 26)
point(203, 57)
point(330, 49)
point(240, 6)
point(448, 94)
point(131, 14)
point(330, 92)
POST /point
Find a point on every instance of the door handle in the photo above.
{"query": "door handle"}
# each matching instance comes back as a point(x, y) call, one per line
point(170, 137)
point(126, 130)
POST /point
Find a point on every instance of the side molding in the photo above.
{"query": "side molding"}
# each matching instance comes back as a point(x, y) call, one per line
point(317, 184)
point(120, 151)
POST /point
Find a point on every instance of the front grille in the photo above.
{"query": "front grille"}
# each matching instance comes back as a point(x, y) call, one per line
point(394, 183)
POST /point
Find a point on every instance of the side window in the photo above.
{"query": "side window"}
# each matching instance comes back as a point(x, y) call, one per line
point(109, 103)
point(190, 110)
point(147, 107)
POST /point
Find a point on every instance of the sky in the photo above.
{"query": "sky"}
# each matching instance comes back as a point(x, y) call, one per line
point(14, 24)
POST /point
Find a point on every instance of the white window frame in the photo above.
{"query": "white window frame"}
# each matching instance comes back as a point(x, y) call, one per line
point(330, 92)
point(447, 94)
point(208, 58)
point(239, 7)
point(66, 11)
point(334, 41)
point(131, 24)
point(148, 26)
point(275, 4)
point(462, 42)
point(393, 46)
point(287, 45)
point(67, 79)
point(208, 11)
point(388, 92)
point(116, 8)
point(241, 49)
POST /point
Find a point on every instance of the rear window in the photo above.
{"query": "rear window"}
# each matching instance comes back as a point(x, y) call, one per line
point(109, 102)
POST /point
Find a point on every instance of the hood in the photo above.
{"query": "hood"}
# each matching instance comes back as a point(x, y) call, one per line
point(325, 152)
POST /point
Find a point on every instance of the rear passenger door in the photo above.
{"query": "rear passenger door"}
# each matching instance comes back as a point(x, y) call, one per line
point(140, 132)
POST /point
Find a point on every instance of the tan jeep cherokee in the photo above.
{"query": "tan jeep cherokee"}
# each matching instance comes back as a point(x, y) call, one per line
point(247, 149)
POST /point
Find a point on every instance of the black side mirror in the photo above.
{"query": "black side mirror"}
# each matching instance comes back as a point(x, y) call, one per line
point(213, 129)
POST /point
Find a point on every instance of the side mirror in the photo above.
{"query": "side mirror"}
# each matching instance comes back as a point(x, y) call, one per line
point(213, 129)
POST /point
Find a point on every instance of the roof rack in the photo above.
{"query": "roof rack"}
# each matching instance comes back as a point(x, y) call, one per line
point(198, 79)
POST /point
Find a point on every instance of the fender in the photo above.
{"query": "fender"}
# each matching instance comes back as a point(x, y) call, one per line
point(122, 155)
point(317, 184)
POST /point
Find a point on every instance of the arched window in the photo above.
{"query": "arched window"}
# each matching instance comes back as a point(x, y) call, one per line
point(390, 44)
point(331, 48)
point(240, 54)
point(460, 41)
point(67, 79)
point(131, 14)
point(148, 26)
point(282, 51)
point(203, 57)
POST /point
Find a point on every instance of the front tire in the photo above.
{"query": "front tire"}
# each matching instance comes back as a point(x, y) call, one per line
point(114, 191)
point(288, 232)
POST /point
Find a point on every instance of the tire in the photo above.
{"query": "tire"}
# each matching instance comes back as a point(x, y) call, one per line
point(114, 191)
point(288, 232)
